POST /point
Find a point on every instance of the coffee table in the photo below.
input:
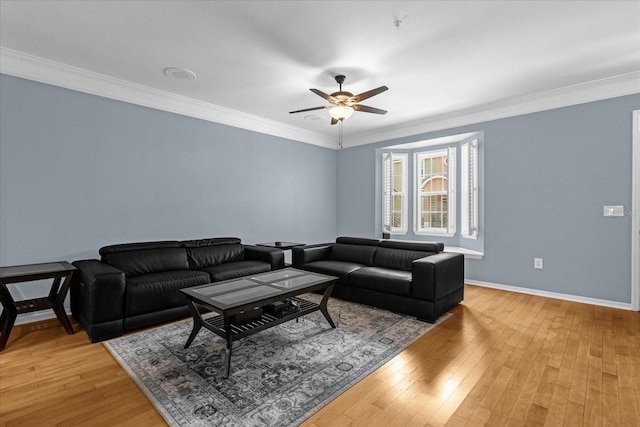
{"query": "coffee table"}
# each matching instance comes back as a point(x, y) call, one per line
point(241, 301)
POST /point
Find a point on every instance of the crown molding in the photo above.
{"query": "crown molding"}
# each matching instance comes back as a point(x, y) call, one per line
point(42, 70)
point(622, 85)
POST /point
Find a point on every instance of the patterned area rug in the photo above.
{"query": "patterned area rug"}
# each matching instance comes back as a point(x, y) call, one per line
point(279, 376)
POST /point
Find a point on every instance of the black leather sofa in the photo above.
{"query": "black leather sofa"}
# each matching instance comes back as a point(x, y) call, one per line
point(414, 278)
point(136, 284)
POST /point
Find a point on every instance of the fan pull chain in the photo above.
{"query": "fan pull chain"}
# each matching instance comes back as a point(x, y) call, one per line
point(340, 133)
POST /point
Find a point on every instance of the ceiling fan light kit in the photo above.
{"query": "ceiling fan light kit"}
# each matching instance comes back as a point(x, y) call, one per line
point(343, 103)
point(341, 112)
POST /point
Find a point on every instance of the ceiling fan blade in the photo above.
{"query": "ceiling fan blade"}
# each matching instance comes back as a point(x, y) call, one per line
point(307, 109)
point(333, 121)
point(369, 94)
point(323, 95)
point(367, 109)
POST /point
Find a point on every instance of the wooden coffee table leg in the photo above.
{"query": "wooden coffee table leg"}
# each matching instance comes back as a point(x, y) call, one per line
point(227, 361)
point(323, 305)
point(227, 330)
point(197, 323)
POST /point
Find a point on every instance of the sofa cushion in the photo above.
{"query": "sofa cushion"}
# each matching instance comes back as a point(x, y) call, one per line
point(397, 259)
point(413, 246)
point(231, 270)
point(147, 261)
point(158, 291)
point(340, 269)
point(358, 241)
point(201, 257)
point(358, 254)
point(213, 241)
point(382, 280)
point(139, 246)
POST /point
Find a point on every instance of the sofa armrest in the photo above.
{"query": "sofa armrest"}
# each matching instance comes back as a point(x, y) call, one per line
point(97, 292)
point(306, 254)
point(273, 256)
point(436, 276)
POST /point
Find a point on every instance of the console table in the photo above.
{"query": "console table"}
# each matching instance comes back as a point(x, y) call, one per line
point(28, 273)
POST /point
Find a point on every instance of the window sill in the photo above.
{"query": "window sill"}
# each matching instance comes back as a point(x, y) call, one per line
point(434, 233)
point(468, 253)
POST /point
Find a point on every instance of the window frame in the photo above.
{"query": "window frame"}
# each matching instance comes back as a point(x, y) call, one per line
point(450, 228)
point(473, 241)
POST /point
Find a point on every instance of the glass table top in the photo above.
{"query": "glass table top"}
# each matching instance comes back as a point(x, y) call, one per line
point(245, 290)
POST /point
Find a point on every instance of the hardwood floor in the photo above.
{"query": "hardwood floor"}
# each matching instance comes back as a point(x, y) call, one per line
point(501, 359)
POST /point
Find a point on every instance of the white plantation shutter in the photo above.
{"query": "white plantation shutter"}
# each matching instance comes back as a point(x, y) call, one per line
point(469, 187)
point(387, 178)
point(451, 178)
point(472, 174)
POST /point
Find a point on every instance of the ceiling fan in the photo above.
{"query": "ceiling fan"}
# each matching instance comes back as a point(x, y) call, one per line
point(344, 103)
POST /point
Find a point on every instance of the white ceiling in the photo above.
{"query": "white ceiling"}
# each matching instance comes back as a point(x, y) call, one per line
point(258, 59)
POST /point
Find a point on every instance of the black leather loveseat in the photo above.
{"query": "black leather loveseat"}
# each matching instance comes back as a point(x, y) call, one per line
point(413, 278)
point(136, 284)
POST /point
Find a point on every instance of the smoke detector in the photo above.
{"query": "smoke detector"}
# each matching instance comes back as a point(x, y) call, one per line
point(179, 73)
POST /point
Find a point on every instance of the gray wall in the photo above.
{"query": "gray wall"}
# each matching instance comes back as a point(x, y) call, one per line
point(546, 178)
point(78, 172)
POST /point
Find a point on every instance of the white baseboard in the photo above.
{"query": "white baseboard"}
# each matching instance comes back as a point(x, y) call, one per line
point(555, 295)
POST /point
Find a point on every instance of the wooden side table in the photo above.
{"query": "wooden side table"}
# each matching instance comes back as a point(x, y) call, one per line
point(281, 245)
point(285, 246)
point(28, 273)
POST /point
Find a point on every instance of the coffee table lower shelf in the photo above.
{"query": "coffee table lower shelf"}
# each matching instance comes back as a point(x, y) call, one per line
point(217, 326)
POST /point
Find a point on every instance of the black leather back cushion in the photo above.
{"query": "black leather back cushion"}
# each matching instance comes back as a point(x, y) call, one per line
point(140, 246)
point(358, 254)
point(397, 259)
point(358, 241)
point(207, 256)
point(213, 241)
point(413, 246)
point(134, 263)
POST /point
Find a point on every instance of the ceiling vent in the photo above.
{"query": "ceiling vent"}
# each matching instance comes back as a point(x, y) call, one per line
point(179, 73)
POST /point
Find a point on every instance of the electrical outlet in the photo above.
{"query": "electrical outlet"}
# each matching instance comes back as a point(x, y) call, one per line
point(537, 263)
point(613, 210)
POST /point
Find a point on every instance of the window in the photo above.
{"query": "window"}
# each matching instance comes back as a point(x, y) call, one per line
point(395, 191)
point(469, 190)
point(435, 198)
point(432, 188)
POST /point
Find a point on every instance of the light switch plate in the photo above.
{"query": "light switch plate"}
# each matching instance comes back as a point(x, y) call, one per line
point(613, 210)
